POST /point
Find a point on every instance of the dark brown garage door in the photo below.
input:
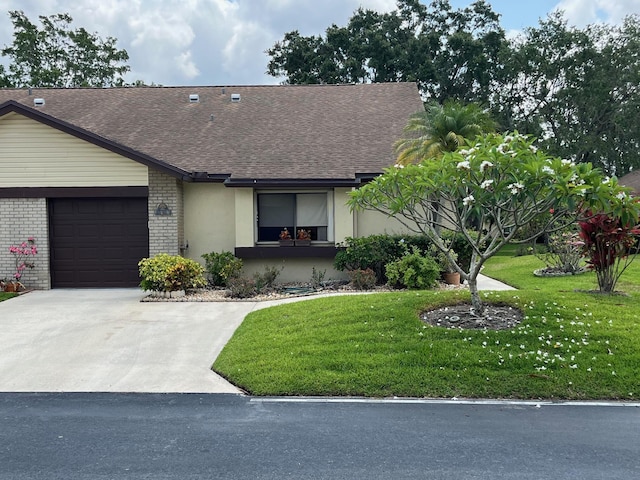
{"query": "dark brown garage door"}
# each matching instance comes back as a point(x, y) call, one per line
point(97, 242)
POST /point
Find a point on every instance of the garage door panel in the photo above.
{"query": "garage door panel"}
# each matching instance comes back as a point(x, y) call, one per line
point(98, 242)
point(87, 207)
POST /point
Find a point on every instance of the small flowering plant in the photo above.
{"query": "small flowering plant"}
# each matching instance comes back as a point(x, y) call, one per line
point(285, 235)
point(304, 234)
point(502, 183)
point(23, 257)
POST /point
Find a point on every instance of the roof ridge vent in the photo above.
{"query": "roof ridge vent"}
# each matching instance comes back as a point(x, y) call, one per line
point(38, 102)
point(194, 98)
point(235, 97)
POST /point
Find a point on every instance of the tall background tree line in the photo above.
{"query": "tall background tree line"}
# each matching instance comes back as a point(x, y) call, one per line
point(577, 90)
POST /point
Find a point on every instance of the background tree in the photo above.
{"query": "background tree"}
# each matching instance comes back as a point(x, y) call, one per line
point(449, 53)
point(578, 90)
point(56, 55)
point(442, 128)
point(504, 181)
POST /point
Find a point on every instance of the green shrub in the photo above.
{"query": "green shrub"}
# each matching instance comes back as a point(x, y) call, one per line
point(362, 279)
point(376, 251)
point(266, 279)
point(317, 277)
point(413, 270)
point(242, 287)
point(221, 267)
point(169, 273)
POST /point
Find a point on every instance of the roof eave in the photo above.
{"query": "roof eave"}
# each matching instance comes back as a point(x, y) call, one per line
point(293, 182)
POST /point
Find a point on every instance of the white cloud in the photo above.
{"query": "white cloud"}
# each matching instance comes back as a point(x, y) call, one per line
point(186, 66)
point(583, 12)
point(176, 42)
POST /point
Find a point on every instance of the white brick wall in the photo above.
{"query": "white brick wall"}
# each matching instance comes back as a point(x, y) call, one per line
point(166, 233)
point(21, 218)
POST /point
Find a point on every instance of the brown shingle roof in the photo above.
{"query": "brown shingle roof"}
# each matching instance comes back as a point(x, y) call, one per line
point(631, 180)
point(294, 132)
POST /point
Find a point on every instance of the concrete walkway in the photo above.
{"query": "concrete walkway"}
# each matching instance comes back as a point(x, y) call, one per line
point(488, 283)
point(106, 340)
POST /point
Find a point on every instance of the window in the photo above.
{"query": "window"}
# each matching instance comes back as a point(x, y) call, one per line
point(294, 211)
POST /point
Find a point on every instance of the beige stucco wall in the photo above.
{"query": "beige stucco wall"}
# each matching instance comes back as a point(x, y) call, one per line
point(295, 269)
point(36, 155)
point(369, 222)
point(245, 217)
point(209, 218)
point(343, 218)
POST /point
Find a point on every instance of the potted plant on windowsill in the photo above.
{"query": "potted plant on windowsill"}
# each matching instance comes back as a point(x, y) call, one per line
point(303, 238)
point(285, 238)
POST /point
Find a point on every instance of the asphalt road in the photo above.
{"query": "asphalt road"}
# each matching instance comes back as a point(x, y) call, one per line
point(188, 436)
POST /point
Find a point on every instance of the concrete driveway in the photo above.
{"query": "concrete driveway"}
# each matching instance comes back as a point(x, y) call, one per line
point(105, 340)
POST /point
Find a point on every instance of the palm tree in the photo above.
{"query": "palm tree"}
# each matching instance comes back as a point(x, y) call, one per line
point(441, 128)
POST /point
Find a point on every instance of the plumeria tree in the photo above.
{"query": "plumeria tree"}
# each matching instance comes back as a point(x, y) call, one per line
point(499, 183)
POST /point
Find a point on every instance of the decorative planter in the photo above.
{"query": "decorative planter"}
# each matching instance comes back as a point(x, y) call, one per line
point(451, 278)
point(303, 243)
point(286, 243)
point(11, 287)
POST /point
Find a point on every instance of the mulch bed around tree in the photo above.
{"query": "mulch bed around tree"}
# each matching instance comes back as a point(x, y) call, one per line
point(496, 317)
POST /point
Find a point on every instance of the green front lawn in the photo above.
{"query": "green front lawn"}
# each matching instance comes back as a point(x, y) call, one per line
point(6, 296)
point(571, 345)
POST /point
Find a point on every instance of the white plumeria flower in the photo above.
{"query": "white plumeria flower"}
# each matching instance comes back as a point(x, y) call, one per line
point(484, 165)
point(466, 201)
point(515, 187)
point(621, 196)
point(567, 162)
point(548, 169)
point(398, 165)
point(509, 138)
point(486, 184)
point(606, 180)
point(533, 148)
point(464, 165)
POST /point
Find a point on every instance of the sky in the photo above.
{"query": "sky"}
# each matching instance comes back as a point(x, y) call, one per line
point(222, 42)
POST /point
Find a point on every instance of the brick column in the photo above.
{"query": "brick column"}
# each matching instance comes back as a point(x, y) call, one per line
point(166, 232)
point(21, 218)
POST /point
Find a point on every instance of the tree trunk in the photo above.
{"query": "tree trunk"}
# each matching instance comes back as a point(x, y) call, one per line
point(476, 303)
